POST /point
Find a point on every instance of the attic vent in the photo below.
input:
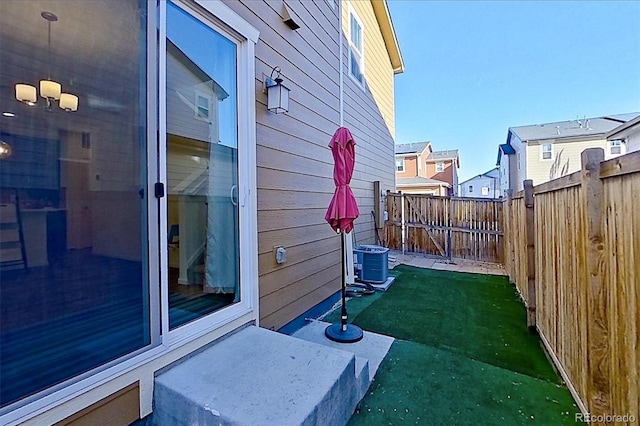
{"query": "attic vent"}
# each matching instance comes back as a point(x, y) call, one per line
point(287, 18)
point(558, 130)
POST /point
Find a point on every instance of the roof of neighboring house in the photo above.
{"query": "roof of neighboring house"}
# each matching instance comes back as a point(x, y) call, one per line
point(493, 173)
point(196, 70)
point(451, 154)
point(625, 129)
point(571, 128)
point(411, 148)
point(381, 10)
point(420, 181)
point(505, 149)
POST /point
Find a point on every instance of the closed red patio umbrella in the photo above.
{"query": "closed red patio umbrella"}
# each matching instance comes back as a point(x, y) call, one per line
point(342, 211)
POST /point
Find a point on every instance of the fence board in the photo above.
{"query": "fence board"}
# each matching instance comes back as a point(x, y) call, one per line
point(622, 274)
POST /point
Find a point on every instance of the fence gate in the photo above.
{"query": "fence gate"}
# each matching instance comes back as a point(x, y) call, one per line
point(446, 227)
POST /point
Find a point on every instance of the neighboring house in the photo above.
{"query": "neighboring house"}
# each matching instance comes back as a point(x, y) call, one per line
point(151, 214)
point(626, 137)
point(421, 170)
point(506, 172)
point(484, 185)
point(543, 152)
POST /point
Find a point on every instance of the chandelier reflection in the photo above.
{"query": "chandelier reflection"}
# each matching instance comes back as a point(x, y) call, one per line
point(50, 90)
point(5, 150)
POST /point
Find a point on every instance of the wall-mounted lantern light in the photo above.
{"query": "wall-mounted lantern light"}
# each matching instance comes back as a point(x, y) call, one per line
point(277, 93)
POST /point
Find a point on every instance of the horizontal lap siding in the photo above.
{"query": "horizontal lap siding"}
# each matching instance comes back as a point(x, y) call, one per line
point(369, 114)
point(378, 70)
point(294, 163)
point(566, 154)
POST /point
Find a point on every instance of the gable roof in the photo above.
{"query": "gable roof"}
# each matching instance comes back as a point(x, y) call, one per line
point(623, 130)
point(411, 148)
point(450, 154)
point(573, 128)
point(381, 10)
point(505, 149)
point(493, 173)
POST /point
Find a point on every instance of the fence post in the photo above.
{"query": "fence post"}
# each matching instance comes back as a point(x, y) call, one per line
point(531, 254)
point(508, 238)
point(402, 221)
point(598, 362)
point(449, 248)
point(385, 224)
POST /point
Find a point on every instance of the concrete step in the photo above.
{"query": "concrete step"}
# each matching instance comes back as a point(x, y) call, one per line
point(260, 377)
point(369, 352)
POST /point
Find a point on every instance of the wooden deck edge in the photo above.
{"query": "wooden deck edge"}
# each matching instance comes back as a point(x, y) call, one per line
point(565, 377)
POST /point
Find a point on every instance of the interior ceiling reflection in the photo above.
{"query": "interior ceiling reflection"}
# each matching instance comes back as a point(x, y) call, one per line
point(94, 53)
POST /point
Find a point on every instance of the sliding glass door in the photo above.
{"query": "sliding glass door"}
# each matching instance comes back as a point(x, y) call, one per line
point(100, 270)
point(74, 290)
point(202, 168)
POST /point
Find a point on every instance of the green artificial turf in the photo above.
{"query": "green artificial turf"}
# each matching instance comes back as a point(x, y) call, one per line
point(463, 354)
point(479, 316)
point(419, 384)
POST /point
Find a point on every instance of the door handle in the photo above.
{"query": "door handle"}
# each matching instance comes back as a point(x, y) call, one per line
point(234, 195)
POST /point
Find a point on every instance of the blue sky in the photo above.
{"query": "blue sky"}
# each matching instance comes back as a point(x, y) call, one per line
point(473, 69)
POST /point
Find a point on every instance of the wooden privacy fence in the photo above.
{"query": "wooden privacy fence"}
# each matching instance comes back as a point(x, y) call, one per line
point(572, 247)
point(448, 227)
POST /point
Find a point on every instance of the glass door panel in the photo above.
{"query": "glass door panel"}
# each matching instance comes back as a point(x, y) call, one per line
point(202, 169)
point(74, 291)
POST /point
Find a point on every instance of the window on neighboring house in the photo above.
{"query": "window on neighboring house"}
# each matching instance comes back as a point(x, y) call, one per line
point(485, 190)
point(616, 148)
point(439, 167)
point(202, 109)
point(400, 164)
point(518, 160)
point(546, 151)
point(470, 188)
point(356, 48)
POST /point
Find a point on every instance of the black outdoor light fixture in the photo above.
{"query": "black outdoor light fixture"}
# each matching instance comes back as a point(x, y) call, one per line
point(277, 93)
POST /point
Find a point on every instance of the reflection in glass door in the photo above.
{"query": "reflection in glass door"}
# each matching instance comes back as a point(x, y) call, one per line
point(74, 289)
point(202, 169)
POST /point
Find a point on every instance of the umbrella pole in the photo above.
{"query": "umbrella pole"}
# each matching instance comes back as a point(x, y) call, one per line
point(343, 332)
point(343, 316)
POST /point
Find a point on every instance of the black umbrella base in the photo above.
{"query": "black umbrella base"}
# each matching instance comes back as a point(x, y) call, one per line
point(352, 334)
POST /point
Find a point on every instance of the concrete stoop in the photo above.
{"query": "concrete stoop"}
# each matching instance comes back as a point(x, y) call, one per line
point(260, 377)
point(370, 351)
